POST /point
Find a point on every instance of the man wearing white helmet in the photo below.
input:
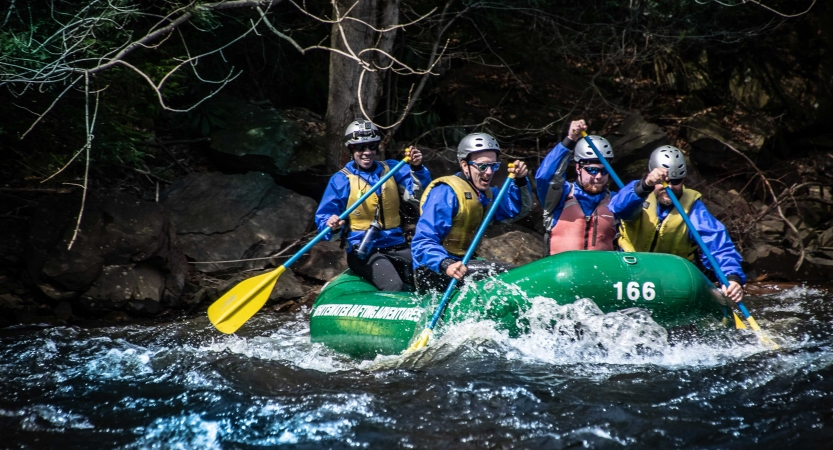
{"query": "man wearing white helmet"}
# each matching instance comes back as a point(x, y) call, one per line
point(453, 207)
point(384, 259)
point(576, 215)
point(652, 224)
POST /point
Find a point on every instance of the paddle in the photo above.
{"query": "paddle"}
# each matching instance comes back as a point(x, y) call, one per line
point(422, 341)
point(719, 272)
point(239, 304)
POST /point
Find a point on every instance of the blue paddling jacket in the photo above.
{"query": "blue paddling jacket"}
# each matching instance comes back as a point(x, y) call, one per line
point(334, 201)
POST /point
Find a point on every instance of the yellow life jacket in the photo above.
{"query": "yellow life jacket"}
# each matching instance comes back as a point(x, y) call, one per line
point(469, 213)
point(648, 234)
point(361, 217)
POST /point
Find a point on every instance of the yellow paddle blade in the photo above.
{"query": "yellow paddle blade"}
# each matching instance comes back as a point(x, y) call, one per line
point(739, 323)
point(240, 303)
point(763, 338)
point(422, 341)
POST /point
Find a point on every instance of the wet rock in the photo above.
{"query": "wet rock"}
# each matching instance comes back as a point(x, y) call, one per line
point(324, 261)
point(635, 139)
point(511, 244)
point(137, 287)
point(117, 230)
point(277, 142)
point(63, 311)
point(14, 309)
point(747, 88)
point(767, 262)
point(234, 217)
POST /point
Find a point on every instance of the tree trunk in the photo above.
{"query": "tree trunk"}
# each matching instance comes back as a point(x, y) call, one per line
point(342, 101)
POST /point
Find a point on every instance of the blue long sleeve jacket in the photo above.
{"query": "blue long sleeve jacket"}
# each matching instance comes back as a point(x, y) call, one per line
point(440, 208)
point(550, 181)
point(628, 204)
point(334, 201)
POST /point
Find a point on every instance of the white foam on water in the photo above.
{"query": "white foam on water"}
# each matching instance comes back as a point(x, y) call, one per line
point(575, 333)
point(181, 432)
point(119, 364)
point(288, 342)
point(47, 418)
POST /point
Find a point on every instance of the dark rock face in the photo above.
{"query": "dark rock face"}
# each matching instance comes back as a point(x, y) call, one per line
point(325, 261)
point(125, 252)
point(232, 217)
point(636, 138)
point(277, 142)
point(511, 244)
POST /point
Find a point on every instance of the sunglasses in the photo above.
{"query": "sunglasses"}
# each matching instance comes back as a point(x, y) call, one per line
point(373, 146)
point(591, 170)
point(483, 166)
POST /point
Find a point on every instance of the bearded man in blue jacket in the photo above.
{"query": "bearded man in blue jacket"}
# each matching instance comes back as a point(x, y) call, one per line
point(576, 215)
point(453, 207)
point(652, 224)
point(385, 259)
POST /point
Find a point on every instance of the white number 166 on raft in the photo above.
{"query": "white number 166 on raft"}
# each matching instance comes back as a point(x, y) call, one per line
point(633, 290)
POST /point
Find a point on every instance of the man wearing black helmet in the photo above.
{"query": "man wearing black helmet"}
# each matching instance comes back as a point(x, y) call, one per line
point(576, 215)
point(376, 248)
point(652, 224)
point(453, 207)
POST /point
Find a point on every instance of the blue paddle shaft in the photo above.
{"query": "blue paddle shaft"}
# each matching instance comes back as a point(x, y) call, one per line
point(482, 229)
point(717, 270)
point(346, 213)
point(604, 162)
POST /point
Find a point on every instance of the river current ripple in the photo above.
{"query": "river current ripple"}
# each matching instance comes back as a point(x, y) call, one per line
point(593, 381)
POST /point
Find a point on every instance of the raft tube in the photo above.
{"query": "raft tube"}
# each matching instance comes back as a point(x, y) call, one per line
point(351, 316)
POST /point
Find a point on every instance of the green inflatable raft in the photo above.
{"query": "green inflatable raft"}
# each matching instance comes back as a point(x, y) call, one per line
point(352, 317)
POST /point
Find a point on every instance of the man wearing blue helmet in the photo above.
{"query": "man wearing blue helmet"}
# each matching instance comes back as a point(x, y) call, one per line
point(376, 247)
point(652, 224)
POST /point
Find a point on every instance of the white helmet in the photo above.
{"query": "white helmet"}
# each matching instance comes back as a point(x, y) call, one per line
point(476, 142)
point(583, 150)
point(670, 158)
point(361, 131)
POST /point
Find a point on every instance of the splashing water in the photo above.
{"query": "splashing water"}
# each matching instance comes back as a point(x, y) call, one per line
point(578, 378)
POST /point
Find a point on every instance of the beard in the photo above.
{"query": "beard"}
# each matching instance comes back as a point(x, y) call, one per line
point(593, 189)
point(664, 199)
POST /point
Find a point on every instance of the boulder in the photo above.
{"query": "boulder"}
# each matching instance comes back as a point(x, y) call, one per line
point(767, 262)
point(749, 88)
point(511, 244)
point(277, 142)
point(14, 309)
point(119, 234)
point(138, 287)
point(635, 139)
point(325, 261)
point(235, 217)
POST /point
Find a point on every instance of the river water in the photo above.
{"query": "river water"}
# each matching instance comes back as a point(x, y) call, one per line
point(596, 381)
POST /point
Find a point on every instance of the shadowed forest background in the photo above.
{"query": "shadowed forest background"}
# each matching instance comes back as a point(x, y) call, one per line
point(125, 123)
